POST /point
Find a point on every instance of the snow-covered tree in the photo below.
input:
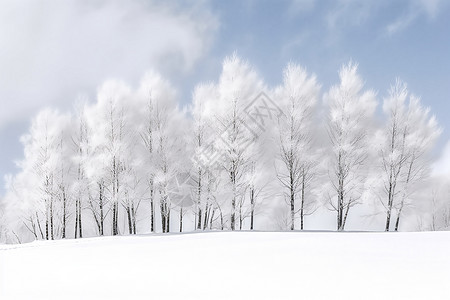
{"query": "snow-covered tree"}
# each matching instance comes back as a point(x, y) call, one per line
point(107, 121)
point(38, 194)
point(297, 98)
point(238, 86)
point(393, 154)
point(408, 138)
point(350, 109)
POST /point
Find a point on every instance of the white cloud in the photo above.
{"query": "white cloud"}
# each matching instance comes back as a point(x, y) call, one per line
point(51, 50)
point(431, 7)
point(401, 23)
point(349, 12)
point(416, 9)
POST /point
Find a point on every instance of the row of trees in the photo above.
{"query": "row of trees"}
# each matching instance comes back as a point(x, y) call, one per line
point(136, 161)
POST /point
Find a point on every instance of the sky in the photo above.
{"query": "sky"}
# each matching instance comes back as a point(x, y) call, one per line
point(54, 53)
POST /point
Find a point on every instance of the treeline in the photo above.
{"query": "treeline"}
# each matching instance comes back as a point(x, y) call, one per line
point(240, 156)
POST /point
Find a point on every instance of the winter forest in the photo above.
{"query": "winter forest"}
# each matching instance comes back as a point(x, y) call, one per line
point(241, 155)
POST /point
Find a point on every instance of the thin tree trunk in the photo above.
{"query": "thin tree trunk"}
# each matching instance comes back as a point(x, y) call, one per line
point(163, 217)
point(397, 222)
point(302, 205)
point(101, 208)
point(199, 191)
point(39, 226)
point(133, 215)
point(181, 219)
point(130, 222)
point(199, 218)
point(51, 219)
point(212, 218)
point(64, 214)
point(233, 201)
point(345, 217)
point(76, 219)
point(292, 210)
point(79, 219)
point(389, 208)
point(152, 207)
point(252, 204)
point(205, 221)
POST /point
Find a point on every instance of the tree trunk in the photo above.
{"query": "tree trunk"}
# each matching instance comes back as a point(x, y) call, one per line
point(39, 226)
point(80, 228)
point(397, 222)
point(51, 219)
point(199, 218)
point(205, 221)
point(389, 208)
point(292, 210)
point(212, 218)
point(76, 219)
point(252, 206)
point(199, 192)
point(133, 217)
point(101, 208)
point(181, 219)
point(130, 222)
point(64, 214)
point(233, 201)
point(302, 205)
point(152, 207)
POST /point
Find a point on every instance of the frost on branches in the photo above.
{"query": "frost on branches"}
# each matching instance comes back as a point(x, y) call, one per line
point(240, 156)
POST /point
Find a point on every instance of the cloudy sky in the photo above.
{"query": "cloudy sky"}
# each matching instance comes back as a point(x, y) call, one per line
point(53, 52)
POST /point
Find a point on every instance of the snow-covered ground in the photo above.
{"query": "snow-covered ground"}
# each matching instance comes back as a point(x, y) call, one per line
point(231, 265)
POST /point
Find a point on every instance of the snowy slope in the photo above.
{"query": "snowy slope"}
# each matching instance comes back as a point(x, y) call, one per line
point(231, 265)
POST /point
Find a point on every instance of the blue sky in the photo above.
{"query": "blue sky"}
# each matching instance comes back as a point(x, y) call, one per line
point(51, 53)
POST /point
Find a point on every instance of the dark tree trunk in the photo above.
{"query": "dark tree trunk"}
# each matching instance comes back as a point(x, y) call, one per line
point(212, 218)
point(152, 207)
point(130, 222)
point(76, 219)
point(199, 194)
point(205, 221)
point(181, 219)
point(39, 226)
point(302, 206)
point(101, 208)
point(51, 220)
point(199, 218)
point(252, 204)
point(292, 209)
point(389, 208)
point(133, 215)
point(80, 228)
point(233, 201)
